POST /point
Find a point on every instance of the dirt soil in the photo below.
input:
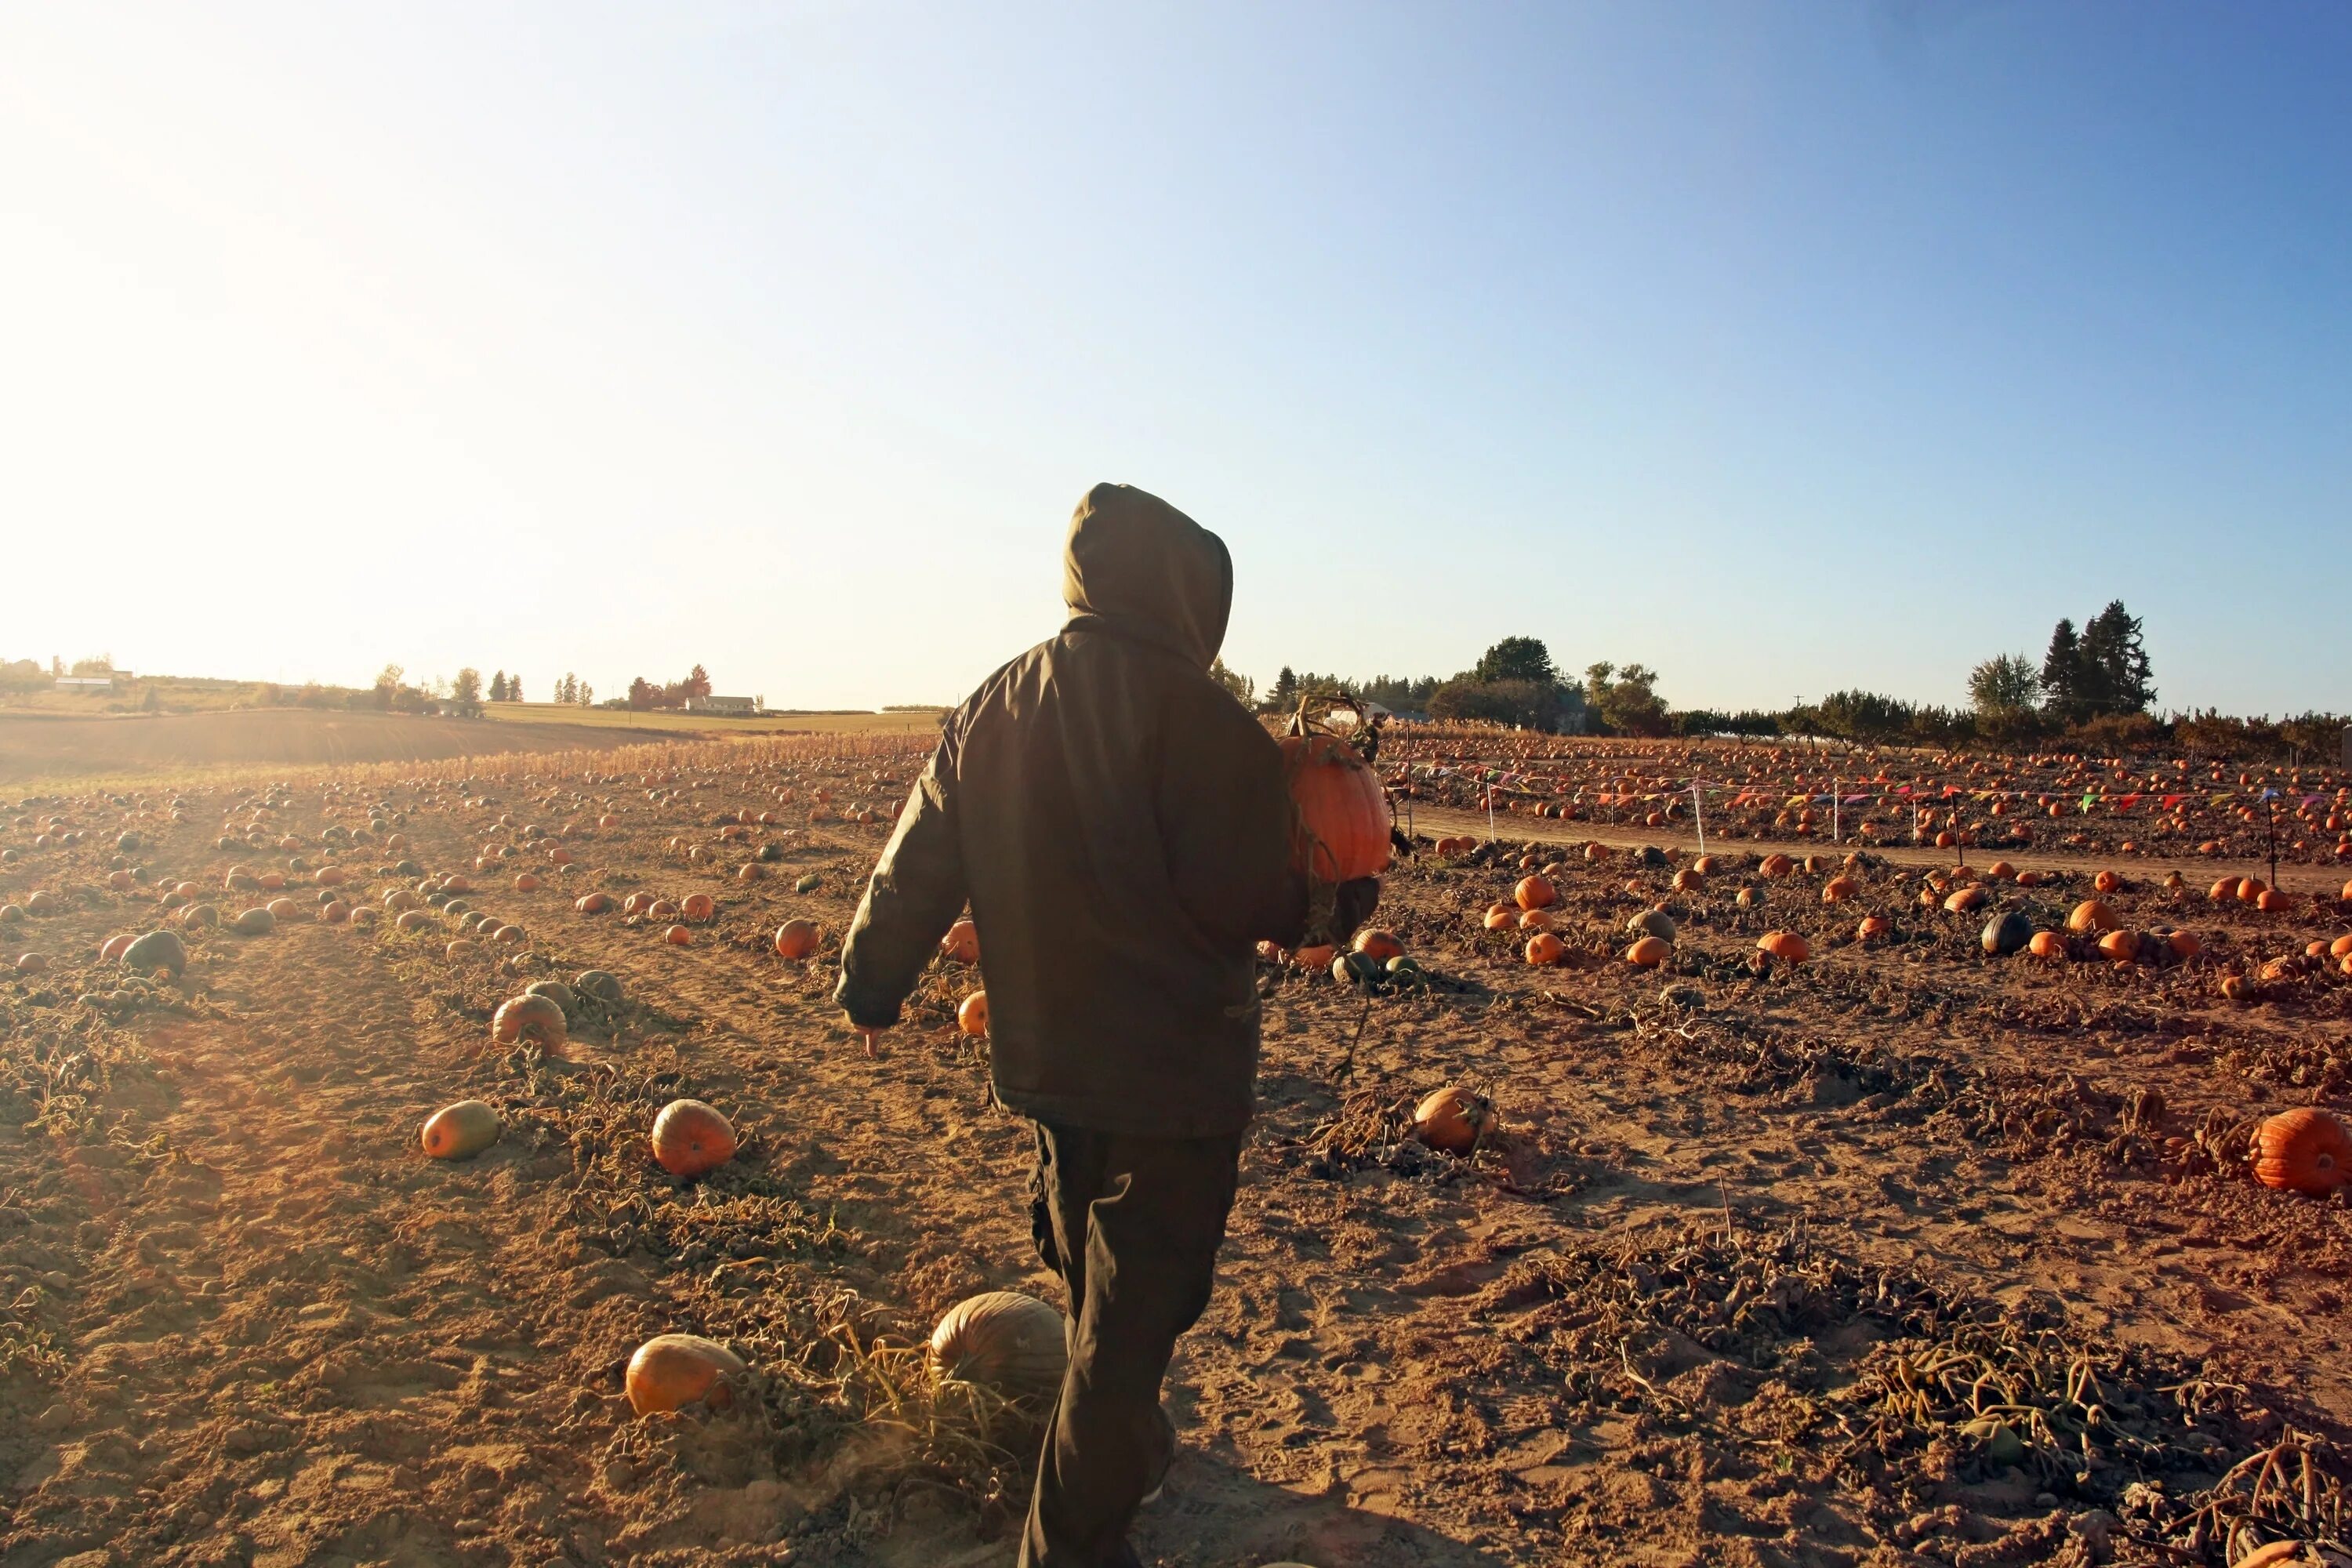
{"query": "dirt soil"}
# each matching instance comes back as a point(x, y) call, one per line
point(48, 746)
point(1902, 1255)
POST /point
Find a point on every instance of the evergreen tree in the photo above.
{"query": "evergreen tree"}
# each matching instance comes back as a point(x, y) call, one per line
point(1285, 695)
point(499, 686)
point(514, 687)
point(2116, 660)
point(2062, 672)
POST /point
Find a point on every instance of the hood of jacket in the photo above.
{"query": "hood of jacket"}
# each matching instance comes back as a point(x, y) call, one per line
point(1136, 567)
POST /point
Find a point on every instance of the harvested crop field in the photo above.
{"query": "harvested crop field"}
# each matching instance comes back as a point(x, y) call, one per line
point(46, 746)
point(1904, 1253)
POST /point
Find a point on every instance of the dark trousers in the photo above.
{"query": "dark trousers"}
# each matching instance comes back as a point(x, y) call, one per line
point(1132, 1225)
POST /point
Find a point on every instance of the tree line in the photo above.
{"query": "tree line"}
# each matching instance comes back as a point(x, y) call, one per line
point(2094, 690)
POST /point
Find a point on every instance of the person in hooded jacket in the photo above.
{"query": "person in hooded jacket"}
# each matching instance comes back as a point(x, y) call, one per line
point(1123, 831)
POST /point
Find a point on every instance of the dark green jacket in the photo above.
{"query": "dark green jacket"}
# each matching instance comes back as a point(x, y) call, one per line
point(1121, 828)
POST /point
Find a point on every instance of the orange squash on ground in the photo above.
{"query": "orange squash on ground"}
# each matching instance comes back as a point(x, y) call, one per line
point(1840, 890)
point(691, 1138)
point(796, 939)
point(2091, 915)
point(1785, 945)
point(1648, 952)
point(670, 1372)
point(1873, 928)
point(1450, 1118)
point(1502, 917)
point(2306, 1150)
point(1535, 893)
point(962, 943)
point(2123, 946)
point(1316, 956)
point(534, 1018)
point(678, 936)
point(1379, 944)
point(1545, 947)
point(461, 1130)
point(972, 1015)
point(1342, 828)
point(700, 907)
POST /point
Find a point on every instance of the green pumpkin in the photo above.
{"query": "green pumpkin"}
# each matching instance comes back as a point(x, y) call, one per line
point(595, 983)
point(157, 950)
point(2005, 934)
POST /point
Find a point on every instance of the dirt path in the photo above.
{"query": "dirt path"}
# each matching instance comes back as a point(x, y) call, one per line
point(2200, 870)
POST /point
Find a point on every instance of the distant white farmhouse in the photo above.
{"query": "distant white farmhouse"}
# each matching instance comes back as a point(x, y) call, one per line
point(90, 682)
point(739, 706)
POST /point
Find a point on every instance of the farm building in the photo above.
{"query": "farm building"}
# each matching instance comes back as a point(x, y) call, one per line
point(88, 683)
point(741, 706)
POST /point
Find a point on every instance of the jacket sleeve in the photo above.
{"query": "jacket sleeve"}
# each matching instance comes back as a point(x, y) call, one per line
point(915, 894)
point(1225, 821)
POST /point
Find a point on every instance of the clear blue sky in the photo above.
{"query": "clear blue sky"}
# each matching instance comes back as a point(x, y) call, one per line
point(1780, 346)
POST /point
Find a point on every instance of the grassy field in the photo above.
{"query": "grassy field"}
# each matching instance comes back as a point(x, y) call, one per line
point(913, 721)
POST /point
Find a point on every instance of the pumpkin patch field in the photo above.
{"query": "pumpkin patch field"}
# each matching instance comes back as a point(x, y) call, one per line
point(462, 1162)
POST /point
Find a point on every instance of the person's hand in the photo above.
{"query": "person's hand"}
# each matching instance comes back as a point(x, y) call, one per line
point(1352, 904)
point(865, 1033)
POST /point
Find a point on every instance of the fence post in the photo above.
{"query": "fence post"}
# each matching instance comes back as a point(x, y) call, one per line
point(1490, 814)
point(1837, 822)
point(1699, 814)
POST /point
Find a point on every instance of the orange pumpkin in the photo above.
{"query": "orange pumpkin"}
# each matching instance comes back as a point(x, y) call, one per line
point(1840, 890)
point(678, 936)
point(1648, 952)
point(2184, 944)
point(2224, 890)
point(460, 1130)
point(1315, 956)
point(1545, 947)
point(1785, 945)
point(1873, 928)
point(1966, 900)
point(1342, 828)
point(2305, 1150)
point(2108, 882)
point(2270, 901)
point(972, 1015)
point(592, 903)
point(534, 1018)
point(1536, 919)
point(691, 1138)
point(962, 943)
point(2091, 915)
point(2123, 946)
point(1379, 944)
point(670, 1372)
point(1503, 917)
point(796, 939)
point(1450, 1118)
point(1534, 893)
